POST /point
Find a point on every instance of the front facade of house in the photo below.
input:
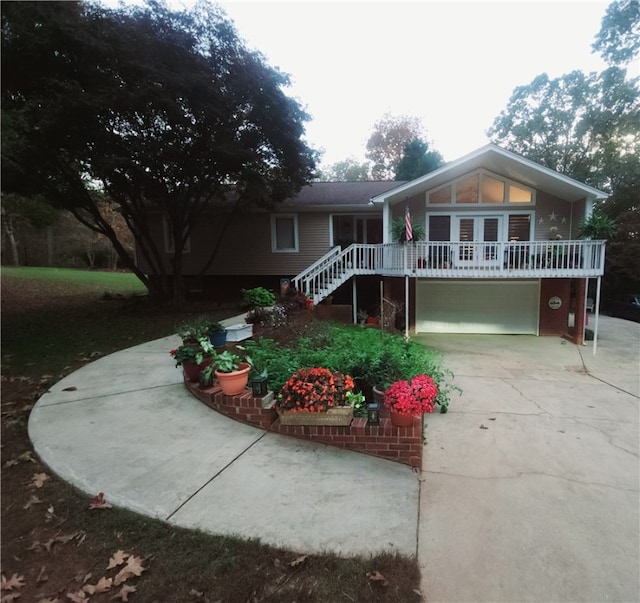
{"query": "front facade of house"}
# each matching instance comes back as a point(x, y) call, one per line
point(501, 252)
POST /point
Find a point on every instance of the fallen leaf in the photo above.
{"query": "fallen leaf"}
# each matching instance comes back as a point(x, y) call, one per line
point(27, 456)
point(118, 558)
point(124, 592)
point(33, 500)
point(103, 586)
point(38, 479)
point(64, 538)
point(419, 593)
point(98, 502)
point(50, 514)
point(79, 597)
point(49, 544)
point(133, 568)
point(376, 576)
point(73, 388)
point(11, 463)
point(8, 598)
point(483, 427)
point(15, 581)
point(492, 419)
point(196, 593)
point(299, 561)
point(42, 575)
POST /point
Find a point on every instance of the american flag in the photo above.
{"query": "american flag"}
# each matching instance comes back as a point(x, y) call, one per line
point(407, 223)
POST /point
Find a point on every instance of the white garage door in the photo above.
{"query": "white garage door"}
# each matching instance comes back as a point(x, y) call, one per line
point(498, 307)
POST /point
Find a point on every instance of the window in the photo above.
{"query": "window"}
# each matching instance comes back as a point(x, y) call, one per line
point(439, 228)
point(169, 243)
point(284, 233)
point(442, 195)
point(519, 227)
point(518, 194)
point(481, 188)
point(467, 189)
point(492, 190)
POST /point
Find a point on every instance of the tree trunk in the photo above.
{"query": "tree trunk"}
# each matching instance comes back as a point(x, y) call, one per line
point(50, 242)
point(13, 244)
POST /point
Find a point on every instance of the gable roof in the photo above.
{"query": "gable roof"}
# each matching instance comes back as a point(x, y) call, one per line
point(356, 194)
point(502, 162)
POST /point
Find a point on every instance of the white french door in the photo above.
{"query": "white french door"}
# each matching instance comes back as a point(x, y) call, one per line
point(482, 234)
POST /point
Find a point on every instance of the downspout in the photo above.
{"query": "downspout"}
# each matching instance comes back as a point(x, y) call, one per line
point(597, 308)
point(406, 307)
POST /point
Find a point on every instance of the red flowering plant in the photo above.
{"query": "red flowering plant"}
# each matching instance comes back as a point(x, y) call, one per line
point(413, 397)
point(314, 390)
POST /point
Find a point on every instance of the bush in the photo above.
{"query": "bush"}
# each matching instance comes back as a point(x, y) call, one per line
point(368, 355)
point(258, 297)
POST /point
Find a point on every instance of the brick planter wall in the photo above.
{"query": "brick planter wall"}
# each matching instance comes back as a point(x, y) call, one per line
point(401, 444)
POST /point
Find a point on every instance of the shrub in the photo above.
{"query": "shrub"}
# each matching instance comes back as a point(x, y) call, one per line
point(258, 297)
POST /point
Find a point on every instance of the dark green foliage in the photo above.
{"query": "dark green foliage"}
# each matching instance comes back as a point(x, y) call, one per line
point(258, 297)
point(159, 109)
point(597, 226)
point(618, 40)
point(369, 355)
point(399, 230)
point(417, 160)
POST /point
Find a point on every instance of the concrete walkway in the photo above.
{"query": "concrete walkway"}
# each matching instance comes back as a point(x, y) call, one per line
point(529, 490)
point(125, 425)
point(530, 485)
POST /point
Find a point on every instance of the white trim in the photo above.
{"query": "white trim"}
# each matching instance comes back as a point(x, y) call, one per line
point(531, 170)
point(274, 241)
point(503, 214)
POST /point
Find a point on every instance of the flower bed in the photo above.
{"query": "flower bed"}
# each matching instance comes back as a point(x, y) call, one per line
point(400, 444)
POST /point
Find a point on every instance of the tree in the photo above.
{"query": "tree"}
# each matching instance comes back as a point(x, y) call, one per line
point(579, 125)
point(159, 110)
point(618, 41)
point(348, 170)
point(417, 160)
point(385, 146)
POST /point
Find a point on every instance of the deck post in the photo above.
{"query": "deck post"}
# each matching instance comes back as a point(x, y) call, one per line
point(406, 307)
point(354, 298)
point(597, 309)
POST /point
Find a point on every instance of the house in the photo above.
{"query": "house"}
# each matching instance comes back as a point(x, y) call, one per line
point(501, 252)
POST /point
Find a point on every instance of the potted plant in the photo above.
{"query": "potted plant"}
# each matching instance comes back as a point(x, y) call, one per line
point(192, 358)
point(399, 230)
point(231, 371)
point(408, 399)
point(217, 334)
point(193, 330)
point(316, 396)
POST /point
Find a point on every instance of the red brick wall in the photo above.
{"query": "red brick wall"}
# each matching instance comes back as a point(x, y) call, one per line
point(554, 322)
point(401, 444)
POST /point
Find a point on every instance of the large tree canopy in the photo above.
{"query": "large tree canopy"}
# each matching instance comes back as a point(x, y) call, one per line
point(417, 160)
point(157, 109)
point(618, 40)
point(582, 125)
point(385, 146)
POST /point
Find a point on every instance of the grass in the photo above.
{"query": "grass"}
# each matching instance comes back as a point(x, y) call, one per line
point(53, 321)
point(92, 281)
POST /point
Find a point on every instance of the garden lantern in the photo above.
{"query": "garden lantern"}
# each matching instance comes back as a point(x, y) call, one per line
point(259, 386)
point(373, 413)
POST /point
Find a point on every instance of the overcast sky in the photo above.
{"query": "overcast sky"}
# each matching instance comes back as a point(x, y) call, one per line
point(453, 64)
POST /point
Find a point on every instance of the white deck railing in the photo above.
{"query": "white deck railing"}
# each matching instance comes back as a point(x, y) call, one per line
point(422, 259)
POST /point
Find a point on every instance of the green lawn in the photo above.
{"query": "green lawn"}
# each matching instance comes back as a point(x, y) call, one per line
point(123, 283)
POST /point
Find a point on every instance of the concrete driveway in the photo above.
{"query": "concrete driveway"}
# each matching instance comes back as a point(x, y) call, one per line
point(530, 485)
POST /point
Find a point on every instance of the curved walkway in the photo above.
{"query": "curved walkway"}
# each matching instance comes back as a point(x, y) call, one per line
point(529, 489)
point(125, 425)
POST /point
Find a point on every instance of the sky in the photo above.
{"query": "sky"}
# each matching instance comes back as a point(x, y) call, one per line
point(452, 64)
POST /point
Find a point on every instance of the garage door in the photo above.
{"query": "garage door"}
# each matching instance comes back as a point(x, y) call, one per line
point(499, 307)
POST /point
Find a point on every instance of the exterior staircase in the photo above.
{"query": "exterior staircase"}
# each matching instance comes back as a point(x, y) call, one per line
point(325, 275)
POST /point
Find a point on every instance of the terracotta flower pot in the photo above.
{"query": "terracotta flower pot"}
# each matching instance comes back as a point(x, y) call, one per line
point(399, 420)
point(235, 382)
point(192, 370)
